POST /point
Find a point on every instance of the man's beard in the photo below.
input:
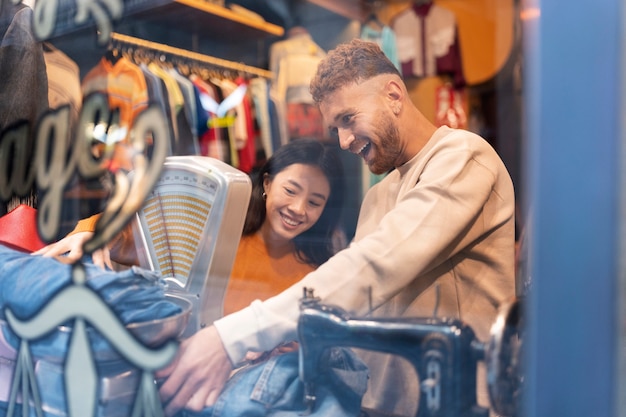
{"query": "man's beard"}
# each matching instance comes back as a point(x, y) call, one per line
point(387, 149)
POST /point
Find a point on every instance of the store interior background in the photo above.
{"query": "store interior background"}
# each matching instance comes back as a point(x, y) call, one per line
point(569, 108)
point(488, 37)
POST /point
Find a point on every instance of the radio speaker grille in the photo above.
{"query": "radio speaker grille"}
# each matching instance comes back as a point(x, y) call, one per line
point(189, 229)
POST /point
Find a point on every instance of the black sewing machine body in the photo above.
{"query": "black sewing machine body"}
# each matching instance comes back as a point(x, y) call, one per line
point(444, 352)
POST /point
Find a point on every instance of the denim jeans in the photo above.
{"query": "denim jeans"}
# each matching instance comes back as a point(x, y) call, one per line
point(28, 283)
point(273, 389)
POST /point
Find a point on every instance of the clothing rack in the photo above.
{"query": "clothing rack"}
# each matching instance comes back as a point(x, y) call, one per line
point(189, 55)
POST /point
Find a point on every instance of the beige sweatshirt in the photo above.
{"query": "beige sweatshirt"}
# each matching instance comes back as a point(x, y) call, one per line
point(446, 219)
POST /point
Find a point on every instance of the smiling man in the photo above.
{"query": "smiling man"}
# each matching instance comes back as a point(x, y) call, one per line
point(436, 234)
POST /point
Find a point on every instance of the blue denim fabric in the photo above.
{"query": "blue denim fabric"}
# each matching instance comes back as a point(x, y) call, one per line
point(28, 282)
point(274, 389)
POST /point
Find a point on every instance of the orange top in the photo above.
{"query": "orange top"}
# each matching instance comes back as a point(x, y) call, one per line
point(125, 85)
point(86, 225)
point(256, 275)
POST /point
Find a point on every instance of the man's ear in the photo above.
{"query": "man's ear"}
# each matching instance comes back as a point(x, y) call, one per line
point(394, 94)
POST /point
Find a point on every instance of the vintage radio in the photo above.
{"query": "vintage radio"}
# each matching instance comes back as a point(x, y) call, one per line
point(189, 231)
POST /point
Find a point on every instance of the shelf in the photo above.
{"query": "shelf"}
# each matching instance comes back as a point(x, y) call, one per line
point(194, 25)
point(207, 20)
point(210, 19)
point(182, 53)
point(352, 9)
point(230, 15)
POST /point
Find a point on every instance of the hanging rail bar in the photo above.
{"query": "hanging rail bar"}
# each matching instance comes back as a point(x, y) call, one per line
point(223, 63)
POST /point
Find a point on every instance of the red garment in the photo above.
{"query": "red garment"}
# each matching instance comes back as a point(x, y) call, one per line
point(304, 121)
point(18, 229)
point(450, 111)
point(247, 153)
point(428, 43)
point(210, 141)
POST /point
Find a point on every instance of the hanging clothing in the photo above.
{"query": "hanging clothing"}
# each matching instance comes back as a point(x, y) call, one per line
point(428, 44)
point(157, 96)
point(201, 117)
point(298, 50)
point(279, 120)
point(24, 85)
point(63, 83)
point(294, 62)
point(259, 90)
point(174, 98)
point(126, 89)
point(213, 142)
point(385, 37)
point(232, 112)
point(124, 84)
point(190, 111)
point(183, 142)
point(247, 152)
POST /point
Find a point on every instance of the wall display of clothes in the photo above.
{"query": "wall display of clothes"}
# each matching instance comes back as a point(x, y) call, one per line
point(428, 45)
point(213, 108)
point(293, 62)
point(428, 42)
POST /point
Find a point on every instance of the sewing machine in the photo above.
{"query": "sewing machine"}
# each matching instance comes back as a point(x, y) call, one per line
point(443, 351)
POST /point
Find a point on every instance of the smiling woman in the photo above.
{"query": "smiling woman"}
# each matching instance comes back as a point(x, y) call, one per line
point(291, 222)
point(295, 200)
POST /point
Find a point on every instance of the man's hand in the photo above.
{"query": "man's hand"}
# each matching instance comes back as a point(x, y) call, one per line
point(72, 245)
point(197, 375)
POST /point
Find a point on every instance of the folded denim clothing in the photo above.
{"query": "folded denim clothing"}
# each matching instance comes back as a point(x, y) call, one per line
point(274, 389)
point(28, 283)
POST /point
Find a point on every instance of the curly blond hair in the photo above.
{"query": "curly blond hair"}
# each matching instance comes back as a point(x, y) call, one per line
point(348, 63)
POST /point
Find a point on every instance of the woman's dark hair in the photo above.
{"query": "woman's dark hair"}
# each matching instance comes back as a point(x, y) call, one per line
point(315, 245)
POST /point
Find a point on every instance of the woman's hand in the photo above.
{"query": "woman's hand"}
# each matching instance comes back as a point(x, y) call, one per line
point(70, 249)
point(196, 376)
